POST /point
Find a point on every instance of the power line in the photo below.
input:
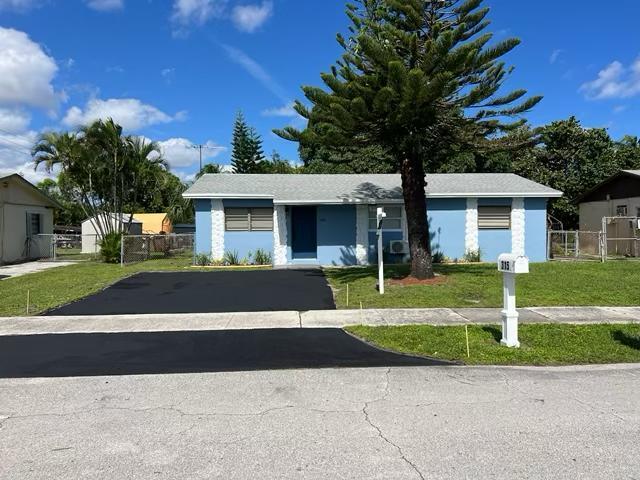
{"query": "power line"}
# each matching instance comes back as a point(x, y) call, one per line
point(200, 147)
point(3, 140)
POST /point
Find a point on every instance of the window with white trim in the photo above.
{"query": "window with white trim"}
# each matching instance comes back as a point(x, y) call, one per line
point(621, 211)
point(248, 219)
point(393, 220)
point(494, 218)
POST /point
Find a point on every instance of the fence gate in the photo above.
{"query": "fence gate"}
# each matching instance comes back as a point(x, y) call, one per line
point(63, 247)
point(622, 236)
point(572, 244)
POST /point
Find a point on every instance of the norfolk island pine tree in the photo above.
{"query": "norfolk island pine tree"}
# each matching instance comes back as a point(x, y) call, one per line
point(415, 74)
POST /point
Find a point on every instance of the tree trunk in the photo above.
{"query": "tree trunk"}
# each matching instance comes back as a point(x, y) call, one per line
point(415, 204)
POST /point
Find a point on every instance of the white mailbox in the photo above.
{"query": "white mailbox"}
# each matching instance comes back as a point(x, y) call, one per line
point(380, 216)
point(509, 263)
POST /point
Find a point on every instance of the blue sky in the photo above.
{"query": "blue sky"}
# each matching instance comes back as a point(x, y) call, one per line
point(177, 71)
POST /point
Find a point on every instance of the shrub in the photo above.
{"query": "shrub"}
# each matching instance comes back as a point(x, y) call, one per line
point(472, 256)
point(110, 247)
point(438, 257)
point(202, 260)
point(262, 257)
point(231, 258)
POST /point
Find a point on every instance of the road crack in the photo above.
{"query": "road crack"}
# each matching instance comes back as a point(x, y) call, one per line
point(367, 418)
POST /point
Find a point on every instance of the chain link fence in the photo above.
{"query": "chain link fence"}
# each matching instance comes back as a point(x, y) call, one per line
point(569, 244)
point(140, 248)
point(63, 247)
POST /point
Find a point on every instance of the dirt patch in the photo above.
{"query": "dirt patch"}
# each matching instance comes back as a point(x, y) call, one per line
point(410, 281)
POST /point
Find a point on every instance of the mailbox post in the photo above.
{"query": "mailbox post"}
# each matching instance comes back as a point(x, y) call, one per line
point(380, 216)
point(510, 265)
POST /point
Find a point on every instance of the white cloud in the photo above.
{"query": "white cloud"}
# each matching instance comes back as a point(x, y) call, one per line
point(14, 120)
point(181, 152)
point(284, 111)
point(26, 72)
point(19, 5)
point(131, 113)
point(555, 55)
point(614, 81)
point(248, 18)
point(256, 70)
point(186, 12)
point(105, 5)
point(15, 156)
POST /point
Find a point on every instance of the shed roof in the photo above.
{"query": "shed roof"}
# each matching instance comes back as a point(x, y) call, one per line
point(337, 189)
point(46, 199)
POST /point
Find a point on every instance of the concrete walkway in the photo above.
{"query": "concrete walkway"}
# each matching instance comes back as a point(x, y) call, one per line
point(20, 269)
point(312, 319)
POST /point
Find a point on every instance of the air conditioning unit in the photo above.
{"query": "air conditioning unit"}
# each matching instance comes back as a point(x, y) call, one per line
point(399, 247)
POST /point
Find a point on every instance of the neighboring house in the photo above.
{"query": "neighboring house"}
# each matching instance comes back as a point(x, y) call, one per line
point(25, 212)
point(90, 233)
point(184, 228)
point(617, 196)
point(330, 219)
point(154, 223)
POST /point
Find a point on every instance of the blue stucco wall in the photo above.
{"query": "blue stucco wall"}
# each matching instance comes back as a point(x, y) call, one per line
point(248, 242)
point(447, 218)
point(337, 231)
point(203, 226)
point(536, 229)
point(336, 235)
point(387, 237)
point(494, 242)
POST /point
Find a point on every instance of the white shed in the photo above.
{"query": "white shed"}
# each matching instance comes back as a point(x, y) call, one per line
point(90, 234)
point(25, 212)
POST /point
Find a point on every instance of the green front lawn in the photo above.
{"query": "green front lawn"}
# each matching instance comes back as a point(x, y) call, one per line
point(540, 344)
point(58, 286)
point(466, 285)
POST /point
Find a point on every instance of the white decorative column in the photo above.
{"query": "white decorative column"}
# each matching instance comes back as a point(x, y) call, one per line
point(471, 242)
point(518, 227)
point(217, 229)
point(362, 234)
point(279, 235)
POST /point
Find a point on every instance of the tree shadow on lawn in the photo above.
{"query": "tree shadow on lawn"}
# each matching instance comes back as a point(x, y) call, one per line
point(395, 272)
point(494, 331)
point(625, 339)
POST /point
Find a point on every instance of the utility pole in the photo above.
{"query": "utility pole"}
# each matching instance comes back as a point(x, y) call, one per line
point(200, 147)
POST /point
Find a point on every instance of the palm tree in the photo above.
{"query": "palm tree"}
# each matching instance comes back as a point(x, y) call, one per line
point(106, 138)
point(69, 154)
point(145, 171)
point(209, 168)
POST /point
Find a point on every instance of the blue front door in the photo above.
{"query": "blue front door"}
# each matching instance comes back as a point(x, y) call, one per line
point(304, 233)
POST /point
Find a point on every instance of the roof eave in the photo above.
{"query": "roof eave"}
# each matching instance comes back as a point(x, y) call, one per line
point(197, 196)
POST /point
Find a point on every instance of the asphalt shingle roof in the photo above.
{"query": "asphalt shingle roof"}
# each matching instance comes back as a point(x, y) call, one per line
point(361, 188)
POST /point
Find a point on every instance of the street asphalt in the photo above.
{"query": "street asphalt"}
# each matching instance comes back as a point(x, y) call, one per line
point(376, 423)
point(204, 292)
point(186, 352)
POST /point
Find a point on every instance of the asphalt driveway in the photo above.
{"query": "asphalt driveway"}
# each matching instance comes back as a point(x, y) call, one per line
point(207, 292)
point(73, 355)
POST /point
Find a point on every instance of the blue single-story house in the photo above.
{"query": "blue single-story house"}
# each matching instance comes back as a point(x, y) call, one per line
point(330, 219)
